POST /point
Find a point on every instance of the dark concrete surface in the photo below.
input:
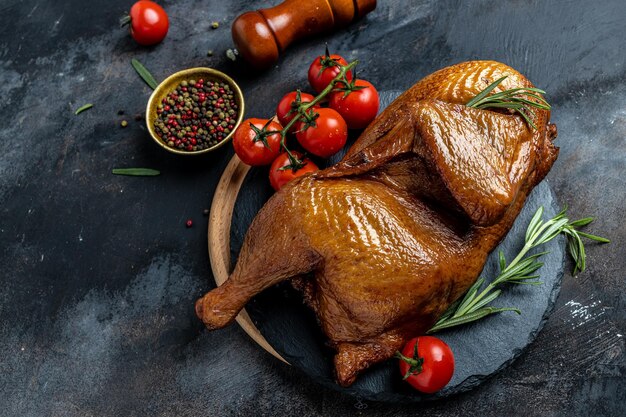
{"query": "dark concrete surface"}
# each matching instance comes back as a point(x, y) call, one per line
point(100, 273)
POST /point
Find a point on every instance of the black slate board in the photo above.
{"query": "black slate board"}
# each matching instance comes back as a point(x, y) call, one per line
point(481, 349)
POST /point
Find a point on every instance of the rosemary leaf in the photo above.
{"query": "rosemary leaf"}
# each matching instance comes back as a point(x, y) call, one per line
point(534, 224)
point(484, 93)
point(581, 222)
point(582, 255)
point(502, 260)
point(468, 318)
point(469, 296)
point(136, 172)
point(144, 73)
point(485, 300)
point(450, 311)
point(83, 108)
point(593, 237)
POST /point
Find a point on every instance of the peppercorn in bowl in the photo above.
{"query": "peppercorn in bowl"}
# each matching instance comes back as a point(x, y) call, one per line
point(194, 111)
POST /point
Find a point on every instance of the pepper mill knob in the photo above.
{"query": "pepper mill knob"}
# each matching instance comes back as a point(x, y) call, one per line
point(260, 36)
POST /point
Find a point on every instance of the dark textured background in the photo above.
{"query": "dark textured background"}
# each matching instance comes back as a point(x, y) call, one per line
point(99, 273)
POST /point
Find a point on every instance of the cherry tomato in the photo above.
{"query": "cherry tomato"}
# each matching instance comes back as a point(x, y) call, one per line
point(280, 177)
point(323, 69)
point(287, 107)
point(327, 137)
point(429, 363)
point(254, 144)
point(359, 107)
point(148, 22)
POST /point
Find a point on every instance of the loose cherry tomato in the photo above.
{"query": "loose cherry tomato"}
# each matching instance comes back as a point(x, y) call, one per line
point(359, 107)
point(255, 144)
point(427, 363)
point(287, 107)
point(327, 136)
point(280, 176)
point(324, 68)
point(148, 22)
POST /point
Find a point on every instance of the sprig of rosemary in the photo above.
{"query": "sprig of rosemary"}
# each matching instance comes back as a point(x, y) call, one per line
point(521, 270)
point(516, 99)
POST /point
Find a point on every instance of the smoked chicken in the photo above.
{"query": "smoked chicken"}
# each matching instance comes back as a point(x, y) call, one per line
point(384, 241)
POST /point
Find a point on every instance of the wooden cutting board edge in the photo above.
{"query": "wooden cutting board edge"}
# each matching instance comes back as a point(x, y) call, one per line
point(220, 220)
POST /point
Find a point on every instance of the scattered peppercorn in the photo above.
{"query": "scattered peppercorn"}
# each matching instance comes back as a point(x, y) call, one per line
point(209, 52)
point(215, 25)
point(138, 117)
point(232, 54)
point(189, 223)
point(124, 123)
point(205, 212)
point(196, 115)
point(120, 112)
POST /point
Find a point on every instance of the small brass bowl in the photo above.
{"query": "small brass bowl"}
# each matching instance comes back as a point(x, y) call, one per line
point(170, 83)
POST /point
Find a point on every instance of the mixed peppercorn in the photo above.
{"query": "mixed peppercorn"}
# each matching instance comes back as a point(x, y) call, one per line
point(196, 115)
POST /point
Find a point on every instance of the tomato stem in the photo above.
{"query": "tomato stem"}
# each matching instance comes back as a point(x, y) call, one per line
point(303, 107)
point(415, 363)
point(125, 20)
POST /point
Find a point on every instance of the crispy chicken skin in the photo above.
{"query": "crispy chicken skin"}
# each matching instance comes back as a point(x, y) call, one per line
point(383, 242)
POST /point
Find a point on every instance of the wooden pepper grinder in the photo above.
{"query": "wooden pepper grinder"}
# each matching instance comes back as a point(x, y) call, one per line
point(260, 36)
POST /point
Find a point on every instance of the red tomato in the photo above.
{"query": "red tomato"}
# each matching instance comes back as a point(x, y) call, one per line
point(359, 107)
point(148, 22)
point(252, 143)
point(280, 177)
point(429, 366)
point(327, 137)
point(287, 107)
point(324, 69)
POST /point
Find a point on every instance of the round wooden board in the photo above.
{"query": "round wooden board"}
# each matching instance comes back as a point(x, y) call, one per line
point(219, 238)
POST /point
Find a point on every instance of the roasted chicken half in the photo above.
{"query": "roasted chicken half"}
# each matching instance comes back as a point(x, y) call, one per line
point(383, 242)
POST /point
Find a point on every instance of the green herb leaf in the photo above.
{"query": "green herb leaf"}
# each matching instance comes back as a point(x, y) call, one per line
point(83, 108)
point(594, 237)
point(144, 73)
point(136, 172)
point(502, 260)
point(582, 222)
point(468, 318)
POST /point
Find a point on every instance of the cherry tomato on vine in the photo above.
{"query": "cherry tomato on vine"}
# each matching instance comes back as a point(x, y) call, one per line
point(255, 144)
point(287, 107)
point(327, 136)
point(148, 22)
point(359, 107)
point(324, 68)
point(427, 363)
point(280, 177)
